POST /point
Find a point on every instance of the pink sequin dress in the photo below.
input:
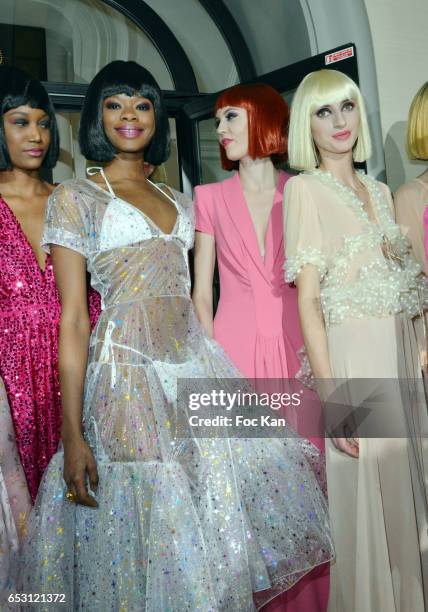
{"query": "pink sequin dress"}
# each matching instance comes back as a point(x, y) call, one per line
point(29, 317)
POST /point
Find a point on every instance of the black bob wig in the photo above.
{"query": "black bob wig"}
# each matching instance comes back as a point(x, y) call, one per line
point(19, 89)
point(131, 79)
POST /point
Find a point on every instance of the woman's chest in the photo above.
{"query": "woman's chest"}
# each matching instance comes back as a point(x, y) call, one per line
point(117, 224)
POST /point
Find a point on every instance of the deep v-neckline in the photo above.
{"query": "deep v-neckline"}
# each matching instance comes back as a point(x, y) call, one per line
point(279, 184)
point(25, 238)
point(113, 197)
point(354, 202)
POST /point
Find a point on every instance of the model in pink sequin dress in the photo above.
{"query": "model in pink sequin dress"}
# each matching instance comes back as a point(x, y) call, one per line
point(29, 318)
point(29, 301)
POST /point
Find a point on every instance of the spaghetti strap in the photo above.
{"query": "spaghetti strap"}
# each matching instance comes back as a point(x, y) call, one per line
point(163, 192)
point(98, 169)
point(94, 170)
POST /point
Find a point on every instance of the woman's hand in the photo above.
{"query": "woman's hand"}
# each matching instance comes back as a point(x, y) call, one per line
point(79, 461)
point(349, 446)
point(74, 332)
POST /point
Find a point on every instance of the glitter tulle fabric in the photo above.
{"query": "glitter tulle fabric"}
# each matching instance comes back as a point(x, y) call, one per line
point(182, 524)
point(15, 503)
point(29, 317)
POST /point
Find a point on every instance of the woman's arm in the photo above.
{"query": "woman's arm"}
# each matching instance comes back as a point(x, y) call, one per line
point(203, 286)
point(312, 321)
point(409, 210)
point(70, 275)
point(315, 339)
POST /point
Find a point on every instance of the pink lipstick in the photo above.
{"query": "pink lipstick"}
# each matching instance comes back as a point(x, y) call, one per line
point(225, 142)
point(342, 135)
point(35, 152)
point(129, 132)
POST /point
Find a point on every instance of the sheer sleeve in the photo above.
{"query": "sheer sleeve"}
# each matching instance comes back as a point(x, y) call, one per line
point(302, 230)
point(203, 210)
point(409, 208)
point(388, 196)
point(184, 201)
point(67, 221)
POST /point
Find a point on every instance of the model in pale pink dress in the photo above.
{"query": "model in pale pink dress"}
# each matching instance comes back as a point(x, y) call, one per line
point(411, 199)
point(426, 232)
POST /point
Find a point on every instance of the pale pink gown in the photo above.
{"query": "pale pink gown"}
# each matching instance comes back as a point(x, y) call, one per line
point(426, 233)
point(257, 320)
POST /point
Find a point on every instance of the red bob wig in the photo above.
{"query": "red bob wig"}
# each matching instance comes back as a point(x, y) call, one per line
point(268, 116)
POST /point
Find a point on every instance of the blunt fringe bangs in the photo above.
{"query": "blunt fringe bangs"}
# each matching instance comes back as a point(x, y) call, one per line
point(417, 125)
point(121, 77)
point(19, 89)
point(268, 116)
point(317, 89)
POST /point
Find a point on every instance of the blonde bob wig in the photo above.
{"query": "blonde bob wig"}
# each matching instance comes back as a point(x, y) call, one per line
point(417, 125)
point(318, 89)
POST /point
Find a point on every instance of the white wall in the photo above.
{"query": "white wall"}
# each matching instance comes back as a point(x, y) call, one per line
point(337, 22)
point(280, 32)
point(400, 40)
point(275, 31)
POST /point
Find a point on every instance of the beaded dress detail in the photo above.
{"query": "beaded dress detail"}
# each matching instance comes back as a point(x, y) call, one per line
point(182, 524)
point(387, 281)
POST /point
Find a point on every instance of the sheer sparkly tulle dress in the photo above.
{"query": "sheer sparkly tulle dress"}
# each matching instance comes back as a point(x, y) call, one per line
point(29, 317)
point(15, 503)
point(182, 524)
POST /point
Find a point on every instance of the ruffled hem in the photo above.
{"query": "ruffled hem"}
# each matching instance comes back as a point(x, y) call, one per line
point(168, 538)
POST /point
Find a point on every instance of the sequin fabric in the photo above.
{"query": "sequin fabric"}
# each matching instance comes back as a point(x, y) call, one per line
point(29, 317)
point(183, 524)
point(388, 280)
